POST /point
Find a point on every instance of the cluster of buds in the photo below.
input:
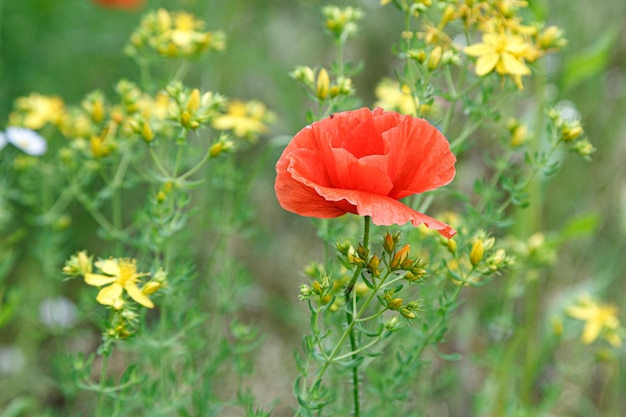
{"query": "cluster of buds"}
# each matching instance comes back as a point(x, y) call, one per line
point(391, 301)
point(413, 8)
point(486, 259)
point(570, 131)
point(482, 260)
point(536, 251)
point(193, 109)
point(222, 146)
point(320, 86)
point(102, 144)
point(175, 34)
point(551, 38)
point(341, 22)
point(78, 265)
point(435, 57)
point(319, 288)
point(141, 114)
point(400, 260)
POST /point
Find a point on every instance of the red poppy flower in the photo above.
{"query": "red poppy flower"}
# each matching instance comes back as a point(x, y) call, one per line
point(363, 162)
point(121, 4)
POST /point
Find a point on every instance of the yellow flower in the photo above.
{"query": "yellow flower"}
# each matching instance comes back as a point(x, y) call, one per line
point(392, 96)
point(119, 275)
point(245, 119)
point(600, 320)
point(36, 110)
point(500, 52)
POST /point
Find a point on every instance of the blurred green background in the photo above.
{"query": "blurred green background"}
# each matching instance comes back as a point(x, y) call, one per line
point(70, 47)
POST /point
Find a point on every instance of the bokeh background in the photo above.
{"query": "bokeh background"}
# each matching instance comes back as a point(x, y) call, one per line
point(70, 47)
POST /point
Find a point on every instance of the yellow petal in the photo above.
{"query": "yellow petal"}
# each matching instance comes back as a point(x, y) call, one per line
point(580, 313)
point(514, 66)
point(111, 295)
point(136, 294)
point(492, 38)
point(479, 49)
point(614, 339)
point(99, 280)
point(109, 266)
point(591, 332)
point(486, 64)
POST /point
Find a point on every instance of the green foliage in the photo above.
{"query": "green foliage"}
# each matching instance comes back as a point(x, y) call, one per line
point(153, 160)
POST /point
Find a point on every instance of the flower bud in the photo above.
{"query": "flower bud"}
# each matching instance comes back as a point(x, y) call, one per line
point(389, 243)
point(151, 287)
point(572, 131)
point(146, 133)
point(322, 85)
point(373, 266)
point(584, 148)
point(477, 252)
point(194, 101)
point(406, 313)
point(519, 135)
point(395, 304)
point(400, 257)
point(435, 58)
point(185, 118)
point(451, 243)
point(305, 75)
point(552, 37)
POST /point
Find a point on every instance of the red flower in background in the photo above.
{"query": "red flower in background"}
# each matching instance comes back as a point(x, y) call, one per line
point(121, 4)
point(363, 162)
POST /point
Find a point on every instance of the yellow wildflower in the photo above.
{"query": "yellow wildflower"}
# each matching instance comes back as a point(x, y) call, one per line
point(500, 52)
point(245, 119)
point(393, 96)
point(119, 275)
point(35, 110)
point(600, 320)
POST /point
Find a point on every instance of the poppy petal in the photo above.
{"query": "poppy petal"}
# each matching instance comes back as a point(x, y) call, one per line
point(419, 158)
point(298, 198)
point(384, 211)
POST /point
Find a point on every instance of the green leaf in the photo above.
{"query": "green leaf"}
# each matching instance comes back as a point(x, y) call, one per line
point(591, 61)
point(582, 226)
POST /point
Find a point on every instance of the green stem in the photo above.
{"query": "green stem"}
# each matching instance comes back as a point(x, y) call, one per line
point(102, 384)
point(351, 320)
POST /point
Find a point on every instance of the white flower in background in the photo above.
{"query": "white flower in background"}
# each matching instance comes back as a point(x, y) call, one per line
point(57, 312)
point(27, 140)
point(3, 141)
point(11, 360)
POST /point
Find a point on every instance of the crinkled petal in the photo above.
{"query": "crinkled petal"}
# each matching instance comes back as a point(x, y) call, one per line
point(384, 211)
point(419, 158)
point(110, 295)
point(98, 280)
point(299, 198)
point(135, 293)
